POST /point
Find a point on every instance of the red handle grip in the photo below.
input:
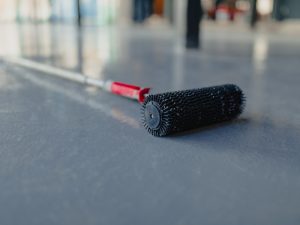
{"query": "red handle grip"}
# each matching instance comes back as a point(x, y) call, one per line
point(129, 91)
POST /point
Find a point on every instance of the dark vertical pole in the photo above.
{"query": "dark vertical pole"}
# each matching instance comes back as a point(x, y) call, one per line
point(79, 37)
point(254, 15)
point(137, 11)
point(78, 12)
point(194, 15)
point(276, 10)
point(80, 50)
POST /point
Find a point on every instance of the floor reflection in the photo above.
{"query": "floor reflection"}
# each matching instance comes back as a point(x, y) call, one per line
point(85, 50)
point(83, 99)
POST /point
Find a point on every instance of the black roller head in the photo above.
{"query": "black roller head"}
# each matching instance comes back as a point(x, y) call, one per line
point(171, 112)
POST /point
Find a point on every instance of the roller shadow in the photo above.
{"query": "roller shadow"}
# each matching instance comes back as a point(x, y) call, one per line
point(260, 138)
point(212, 127)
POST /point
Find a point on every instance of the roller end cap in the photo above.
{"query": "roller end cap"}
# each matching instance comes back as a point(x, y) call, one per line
point(152, 118)
point(152, 115)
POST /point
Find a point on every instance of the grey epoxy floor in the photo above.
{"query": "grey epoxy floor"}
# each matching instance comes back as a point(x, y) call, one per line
point(72, 154)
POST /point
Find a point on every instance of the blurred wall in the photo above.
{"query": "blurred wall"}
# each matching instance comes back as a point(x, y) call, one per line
point(97, 12)
point(104, 12)
point(7, 9)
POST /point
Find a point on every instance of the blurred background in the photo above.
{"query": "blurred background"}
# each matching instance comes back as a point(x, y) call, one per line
point(108, 12)
point(166, 44)
point(83, 35)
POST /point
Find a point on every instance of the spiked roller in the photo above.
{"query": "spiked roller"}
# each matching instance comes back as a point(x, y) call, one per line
point(173, 112)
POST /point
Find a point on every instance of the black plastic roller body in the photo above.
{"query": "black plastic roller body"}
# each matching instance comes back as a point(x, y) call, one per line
point(173, 112)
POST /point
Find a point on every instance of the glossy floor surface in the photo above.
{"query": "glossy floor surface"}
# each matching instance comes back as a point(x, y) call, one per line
point(73, 154)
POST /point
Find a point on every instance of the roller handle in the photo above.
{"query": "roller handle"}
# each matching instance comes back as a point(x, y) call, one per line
point(118, 88)
point(127, 90)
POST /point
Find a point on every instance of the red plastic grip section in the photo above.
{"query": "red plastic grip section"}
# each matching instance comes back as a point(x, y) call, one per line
point(129, 91)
